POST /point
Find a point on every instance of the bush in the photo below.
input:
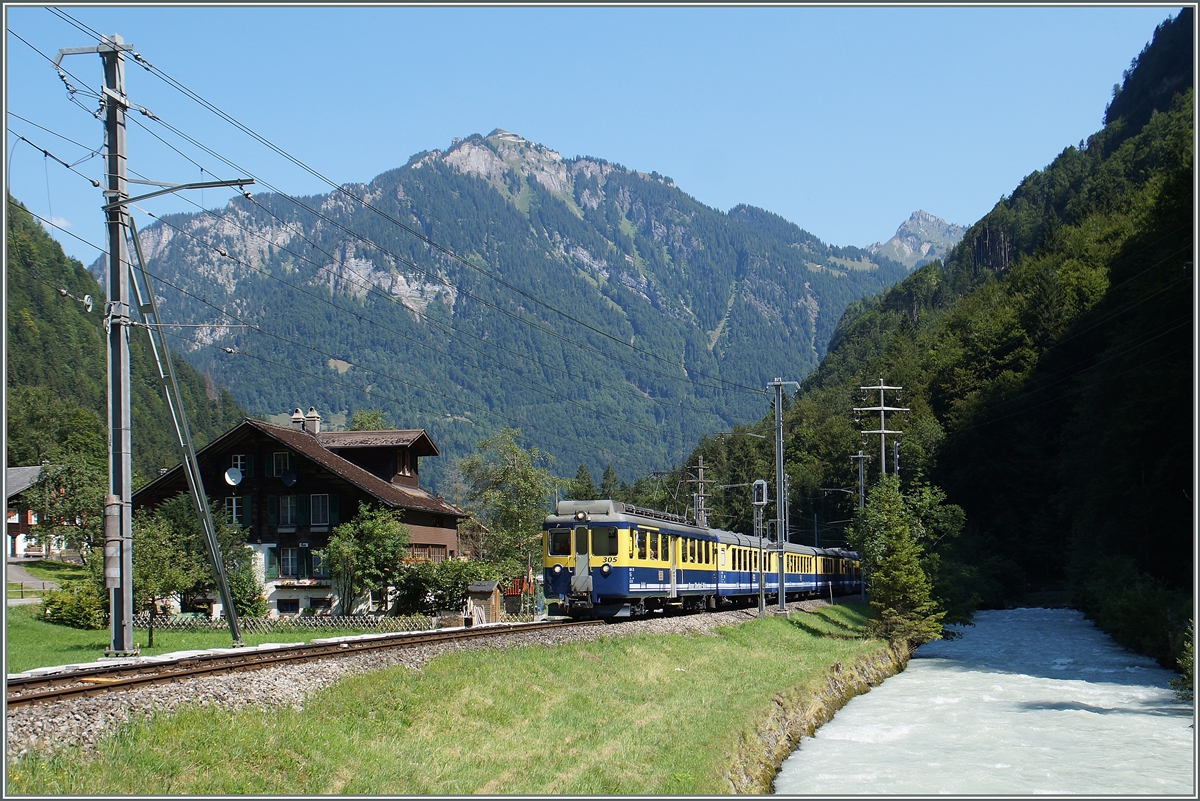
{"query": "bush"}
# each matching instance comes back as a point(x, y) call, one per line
point(77, 605)
point(246, 591)
point(428, 588)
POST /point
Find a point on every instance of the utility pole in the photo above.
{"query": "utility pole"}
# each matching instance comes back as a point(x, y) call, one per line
point(780, 494)
point(701, 510)
point(118, 542)
point(883, 430)
point(118, 503)
point(861, 487)
point(760, 500)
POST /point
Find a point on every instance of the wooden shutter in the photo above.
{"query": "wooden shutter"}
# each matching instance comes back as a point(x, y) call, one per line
point(272, 510)
point(302, 510)
point(246, 501)
point(305, 555)
point(249, 465)
point(333, 509)
point(272, 563)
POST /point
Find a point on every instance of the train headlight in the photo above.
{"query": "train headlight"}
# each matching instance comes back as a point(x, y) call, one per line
point(606, 569)
point(557, 569)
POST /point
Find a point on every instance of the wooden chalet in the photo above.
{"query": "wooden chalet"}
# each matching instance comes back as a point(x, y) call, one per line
point(290, 485)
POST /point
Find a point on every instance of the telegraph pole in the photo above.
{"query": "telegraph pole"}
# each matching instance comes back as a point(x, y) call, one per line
point(861, 487)
point(780, 493)
point(118, 504)
point(760, 500)
point(883, 430)
point(701, 511)
point(118, 545)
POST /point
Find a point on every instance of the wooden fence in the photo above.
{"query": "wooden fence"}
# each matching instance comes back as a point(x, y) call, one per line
point(365, 624)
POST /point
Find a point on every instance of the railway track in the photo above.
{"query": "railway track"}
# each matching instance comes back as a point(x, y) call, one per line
point(24, 690)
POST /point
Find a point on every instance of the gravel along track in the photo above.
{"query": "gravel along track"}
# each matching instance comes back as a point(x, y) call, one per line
point(83, 721)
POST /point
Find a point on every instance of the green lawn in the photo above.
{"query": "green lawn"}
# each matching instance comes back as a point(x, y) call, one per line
point(622, 715)
point(35, 643)
point(57, 572)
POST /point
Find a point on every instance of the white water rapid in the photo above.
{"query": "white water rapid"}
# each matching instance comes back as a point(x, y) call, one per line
point(1027, 701)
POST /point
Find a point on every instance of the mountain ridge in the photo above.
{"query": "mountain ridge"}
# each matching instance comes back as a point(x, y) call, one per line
point(542, 263)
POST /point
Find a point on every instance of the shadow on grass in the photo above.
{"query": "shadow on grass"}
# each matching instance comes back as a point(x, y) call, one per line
point(819, 624)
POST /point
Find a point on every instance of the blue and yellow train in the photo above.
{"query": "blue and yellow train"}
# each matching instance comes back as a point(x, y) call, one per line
point(604, 558)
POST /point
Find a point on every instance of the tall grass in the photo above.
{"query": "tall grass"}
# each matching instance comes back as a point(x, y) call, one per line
point(620, 715)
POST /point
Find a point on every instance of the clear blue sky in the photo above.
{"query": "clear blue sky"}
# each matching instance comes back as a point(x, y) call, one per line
point(843, 120)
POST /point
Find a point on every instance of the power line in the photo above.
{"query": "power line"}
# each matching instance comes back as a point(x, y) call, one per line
point(375, 291)
point(446, 282)
point(364, 319)
point(319, 352)
point(170, 81)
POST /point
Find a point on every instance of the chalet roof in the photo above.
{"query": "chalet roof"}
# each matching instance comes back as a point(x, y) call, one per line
point(414, 438)
point(19, 479)
point(307, 445)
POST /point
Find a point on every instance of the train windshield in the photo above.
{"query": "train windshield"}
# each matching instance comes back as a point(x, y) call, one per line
point(604, 541)
point(560, 542)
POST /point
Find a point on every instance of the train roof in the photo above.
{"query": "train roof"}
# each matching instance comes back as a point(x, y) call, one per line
point(565, 513)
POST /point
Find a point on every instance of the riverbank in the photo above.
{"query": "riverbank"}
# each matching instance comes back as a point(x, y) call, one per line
point(795, 715)
point(606, 713)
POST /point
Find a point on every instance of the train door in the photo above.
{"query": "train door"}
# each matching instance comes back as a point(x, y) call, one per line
point(581, 573)
point(673, 560)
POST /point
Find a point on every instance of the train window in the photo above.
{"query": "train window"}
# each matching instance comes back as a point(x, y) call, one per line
point(653, 544)
point(604, 541)
point(560, 542)
point(642, 537)
point(691, 557)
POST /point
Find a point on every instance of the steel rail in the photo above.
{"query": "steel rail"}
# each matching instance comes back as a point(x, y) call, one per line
point(90, 681)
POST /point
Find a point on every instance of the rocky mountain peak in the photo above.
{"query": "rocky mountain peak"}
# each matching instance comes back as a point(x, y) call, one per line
point(920, 239)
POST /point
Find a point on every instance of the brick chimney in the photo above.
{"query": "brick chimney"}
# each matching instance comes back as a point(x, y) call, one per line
point(312, 420)
point(298, 419)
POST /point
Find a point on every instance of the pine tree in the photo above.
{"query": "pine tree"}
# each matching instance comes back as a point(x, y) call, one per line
point(582, 487)
point(610, 483)
point(900, 590)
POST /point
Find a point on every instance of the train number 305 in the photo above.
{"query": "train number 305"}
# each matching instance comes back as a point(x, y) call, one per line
point(612, 559)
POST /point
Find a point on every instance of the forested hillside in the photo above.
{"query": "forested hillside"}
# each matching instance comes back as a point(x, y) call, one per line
point(57, 381)
point(606, 313)
point(1048, 364)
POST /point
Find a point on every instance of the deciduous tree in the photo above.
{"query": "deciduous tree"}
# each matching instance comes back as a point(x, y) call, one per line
point(507, 488)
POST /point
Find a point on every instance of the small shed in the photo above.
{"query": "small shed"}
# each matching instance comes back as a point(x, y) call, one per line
point(486, 598)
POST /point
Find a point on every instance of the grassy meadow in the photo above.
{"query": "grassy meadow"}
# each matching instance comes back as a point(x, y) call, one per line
point(621, 715)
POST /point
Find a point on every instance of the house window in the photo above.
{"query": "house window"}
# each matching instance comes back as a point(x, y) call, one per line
point(318, 566)
point(238, 460)
point(287, 510)
point(320, 510)
point(289, 562)
point(283, 461)
point(288, 606)
point(234, 510)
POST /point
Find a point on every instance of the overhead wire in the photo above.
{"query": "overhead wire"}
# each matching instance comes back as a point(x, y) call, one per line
point(433, 275)
point(588, 448)
point(450, 253)
point(357, 315)
point(374, 290)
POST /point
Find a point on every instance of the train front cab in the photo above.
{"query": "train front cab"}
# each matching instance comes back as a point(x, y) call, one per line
point(586, 572)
